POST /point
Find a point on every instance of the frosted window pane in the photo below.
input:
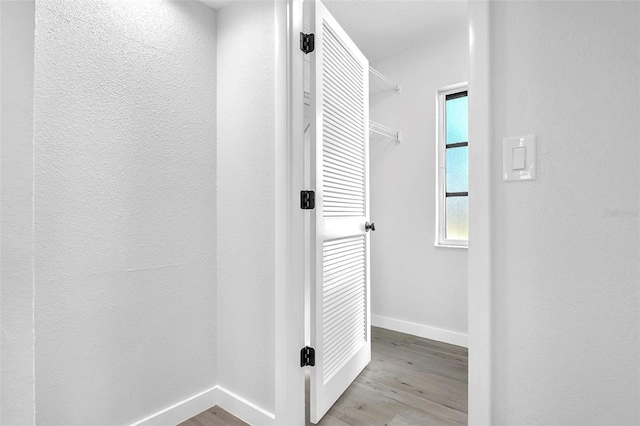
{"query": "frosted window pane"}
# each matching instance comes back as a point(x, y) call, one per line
point(457, 169)
point(457, 217)
point(456, 116)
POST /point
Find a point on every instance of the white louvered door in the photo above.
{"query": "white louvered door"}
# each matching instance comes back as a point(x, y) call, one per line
point(340, 317)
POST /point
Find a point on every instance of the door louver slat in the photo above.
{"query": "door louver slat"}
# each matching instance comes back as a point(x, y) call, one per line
point(346, 303)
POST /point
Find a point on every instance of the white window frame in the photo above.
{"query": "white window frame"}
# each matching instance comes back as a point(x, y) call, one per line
point(441, 150)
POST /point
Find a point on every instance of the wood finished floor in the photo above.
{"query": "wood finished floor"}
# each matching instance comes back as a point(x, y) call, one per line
point(410, 381)
point(215, 416)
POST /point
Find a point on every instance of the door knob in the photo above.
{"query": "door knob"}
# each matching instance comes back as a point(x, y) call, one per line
point(369, 226)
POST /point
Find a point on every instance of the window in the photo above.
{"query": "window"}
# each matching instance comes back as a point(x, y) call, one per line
point(453, 169)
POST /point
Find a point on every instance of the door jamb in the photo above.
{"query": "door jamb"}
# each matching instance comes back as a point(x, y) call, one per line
point(479, 254)
point(289, 226)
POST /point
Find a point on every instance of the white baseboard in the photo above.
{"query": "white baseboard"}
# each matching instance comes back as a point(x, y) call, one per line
point(420, 330)
point(243, 409)
point(217, 395)
point(184, 410)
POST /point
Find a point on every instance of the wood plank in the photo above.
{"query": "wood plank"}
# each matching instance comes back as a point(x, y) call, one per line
point(214, 416)
point(374, 403)
point(416, 361)
point(410, 381)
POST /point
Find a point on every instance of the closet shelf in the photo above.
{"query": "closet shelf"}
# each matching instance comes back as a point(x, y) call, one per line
point(383, 131)
point(380, 83)
point(375, 128)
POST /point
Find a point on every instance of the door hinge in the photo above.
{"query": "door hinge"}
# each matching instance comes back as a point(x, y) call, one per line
point(307, 200)
point(307, 43)
point(307, 357)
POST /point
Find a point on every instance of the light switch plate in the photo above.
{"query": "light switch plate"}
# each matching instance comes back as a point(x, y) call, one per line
point(512, 150)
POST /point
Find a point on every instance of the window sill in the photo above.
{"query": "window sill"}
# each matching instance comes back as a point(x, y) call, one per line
point(451, 246)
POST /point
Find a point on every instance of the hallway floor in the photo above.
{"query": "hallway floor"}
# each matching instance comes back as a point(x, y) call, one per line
point(410, 381)
point(215, 416)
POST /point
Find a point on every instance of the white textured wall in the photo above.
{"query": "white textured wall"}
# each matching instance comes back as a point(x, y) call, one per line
point(566, 276)
point(125, 208)
point(16, 224)
point(246, 201)
point(411, 279)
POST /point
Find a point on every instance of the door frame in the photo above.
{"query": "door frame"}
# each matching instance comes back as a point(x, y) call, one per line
point(289, 226)
point(289, 379)
point(480, 250)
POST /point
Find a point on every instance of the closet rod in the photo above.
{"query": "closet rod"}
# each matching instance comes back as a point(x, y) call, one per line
point(384, 131)
point(383, 78)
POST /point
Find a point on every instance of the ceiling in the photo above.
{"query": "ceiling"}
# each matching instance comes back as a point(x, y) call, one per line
point(383, 27)
point(216, 4)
